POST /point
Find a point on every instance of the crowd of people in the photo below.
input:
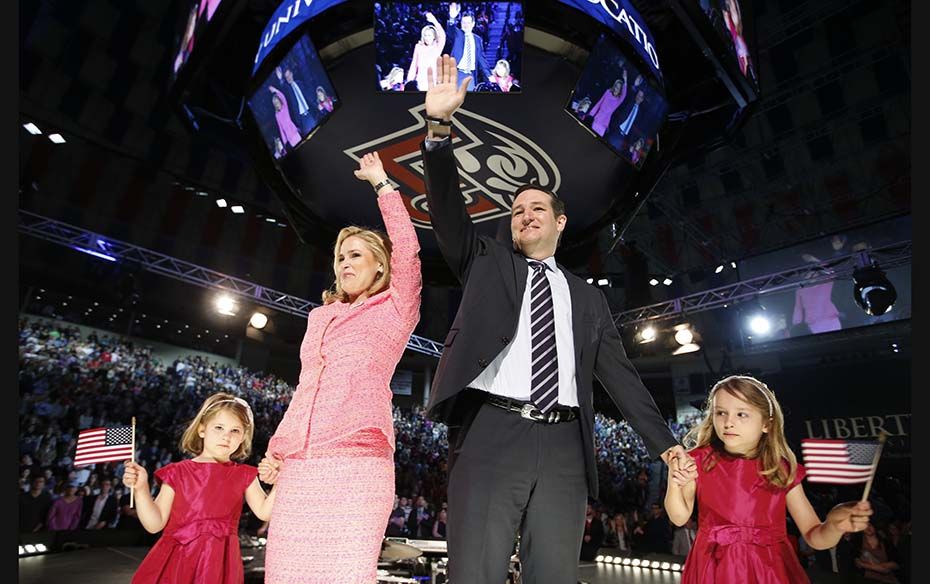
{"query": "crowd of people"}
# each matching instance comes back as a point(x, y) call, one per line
point(70, 381)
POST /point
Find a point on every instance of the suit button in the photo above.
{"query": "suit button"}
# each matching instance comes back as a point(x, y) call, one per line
point(505, 340)
point(482, 363)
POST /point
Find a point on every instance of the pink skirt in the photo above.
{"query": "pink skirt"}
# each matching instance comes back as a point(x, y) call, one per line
point(331, 511)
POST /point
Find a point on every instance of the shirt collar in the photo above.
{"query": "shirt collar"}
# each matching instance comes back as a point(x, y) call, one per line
point(549, 261)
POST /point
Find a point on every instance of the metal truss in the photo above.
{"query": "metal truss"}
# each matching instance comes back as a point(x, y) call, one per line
point(114, 250)
point(889, 256)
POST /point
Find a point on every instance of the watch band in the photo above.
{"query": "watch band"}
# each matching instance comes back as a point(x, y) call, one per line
point(383, 183)
point(438, 121)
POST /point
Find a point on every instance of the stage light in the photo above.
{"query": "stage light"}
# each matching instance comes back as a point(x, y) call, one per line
point(648, 334)
point(684, 335)
point(653, 282)
point(30, 549)
point(237, 209)
point(221, 203)
point(719, 269)
point(617, 560)
point(40, 547)
point(603, 282)
point(56, 138)
point(760, 324)
point(201, 193)
point(225, 305)
point(627, 561)
point(665, 565)
point(635, 562)
point(22, 550)
point(608, 559)
point(599, 559)
point(667, 281)
point(676, 567)
point(733, 265)
point(32, 129)
point(258, 320)
point(590, 280)
point(270, 219)
point(872, 291)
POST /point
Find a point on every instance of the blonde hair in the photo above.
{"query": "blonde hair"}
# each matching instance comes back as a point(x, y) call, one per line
point(772, 449)
point(423, 31)
point(378, 244)
point(506, 64)
point(192, 443)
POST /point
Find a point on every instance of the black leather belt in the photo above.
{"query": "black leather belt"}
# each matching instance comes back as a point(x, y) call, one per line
point(531, 412)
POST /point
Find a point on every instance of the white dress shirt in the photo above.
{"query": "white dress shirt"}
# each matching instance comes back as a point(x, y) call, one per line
point(509, 374)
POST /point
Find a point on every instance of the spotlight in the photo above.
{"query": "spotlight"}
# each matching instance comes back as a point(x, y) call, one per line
point(599, 559)
point(603, 282)
point(237, 209)
point(653, 282)
point(22, 550)
point(56, 138)
point(590, 280)
point(648, 334)
point(225, 305)
point(221, 203)
point(30, 549)
point(872, 291)
point(733, 265)
point(676, 567)
point(608, 559)
point(667, 281)
point(617, 560)
point(760, 324)
point(635, 562)
point(270, 219)
point(626, 561)
point(684, 335)
point(32, 129)
point(40, 547)
point(719, 269)
point(665, 565)
point(258, 320)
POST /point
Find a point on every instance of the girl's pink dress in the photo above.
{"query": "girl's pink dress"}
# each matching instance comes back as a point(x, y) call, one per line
point(741, 537)
point(336, 487)
point(200, 543)
point(604, 108)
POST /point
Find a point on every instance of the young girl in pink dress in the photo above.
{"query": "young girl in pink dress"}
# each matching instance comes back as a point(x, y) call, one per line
point(746, 477)
point(335, 445)
point(200, 499)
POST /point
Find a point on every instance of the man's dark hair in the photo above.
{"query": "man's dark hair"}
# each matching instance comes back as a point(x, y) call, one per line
point(558, 205)
point(469, 14)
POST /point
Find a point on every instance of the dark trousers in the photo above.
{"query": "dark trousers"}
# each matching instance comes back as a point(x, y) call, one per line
point(515, 475)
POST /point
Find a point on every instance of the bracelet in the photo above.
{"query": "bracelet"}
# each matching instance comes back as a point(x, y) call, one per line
point(438, 121)
point(383, 183)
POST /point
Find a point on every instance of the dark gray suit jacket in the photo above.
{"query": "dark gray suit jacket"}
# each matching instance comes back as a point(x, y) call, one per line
point(494, 279)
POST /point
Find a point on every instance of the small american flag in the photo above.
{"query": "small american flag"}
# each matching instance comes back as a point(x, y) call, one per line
point(103, 444)
point(839, 462)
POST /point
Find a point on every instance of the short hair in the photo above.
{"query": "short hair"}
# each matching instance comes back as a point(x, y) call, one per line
point(469, 14)
point(558, 205)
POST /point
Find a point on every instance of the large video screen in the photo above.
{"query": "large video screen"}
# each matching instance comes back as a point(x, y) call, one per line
point(829, 305)
point(294, 99)
point(200, 13)
point(726, 16)
point(615, 101)
point(485, 38)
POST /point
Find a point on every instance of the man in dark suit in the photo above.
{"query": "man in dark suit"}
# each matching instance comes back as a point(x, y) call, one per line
point(467, 47)
point(515, 382)
point(99, 511)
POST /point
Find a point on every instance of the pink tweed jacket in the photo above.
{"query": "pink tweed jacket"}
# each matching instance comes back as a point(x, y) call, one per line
point(348, 355)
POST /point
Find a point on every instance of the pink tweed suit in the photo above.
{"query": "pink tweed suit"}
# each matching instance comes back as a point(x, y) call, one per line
point(336, 486)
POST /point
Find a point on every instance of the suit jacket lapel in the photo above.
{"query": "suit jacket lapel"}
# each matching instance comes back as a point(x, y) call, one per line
point(521, 269)
point(577, 293)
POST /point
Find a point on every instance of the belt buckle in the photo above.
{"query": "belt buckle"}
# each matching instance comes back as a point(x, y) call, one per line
point(527, 412)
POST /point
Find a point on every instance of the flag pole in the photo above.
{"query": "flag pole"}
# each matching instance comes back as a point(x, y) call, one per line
point(132, 458)
point(878, 454)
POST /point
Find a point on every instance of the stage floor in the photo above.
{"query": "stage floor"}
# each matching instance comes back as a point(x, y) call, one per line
point(112, 565)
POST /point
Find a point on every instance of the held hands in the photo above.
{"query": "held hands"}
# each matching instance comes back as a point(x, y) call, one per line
point(682, 468)
point(444, 95)
point(851, 516)
point(135, 476)
point(371, 169)
point(268, 469)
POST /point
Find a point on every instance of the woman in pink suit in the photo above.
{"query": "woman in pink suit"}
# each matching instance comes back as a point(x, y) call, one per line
point(289, 132)
point(333, 452)
point(607, 105)
point(425, 53)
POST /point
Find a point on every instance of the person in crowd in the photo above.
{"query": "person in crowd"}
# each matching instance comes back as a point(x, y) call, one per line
point(65, 513)
point(746, 478)
point(657, 533)
point(200, 499)
point(593, 536)
point(501, 76)
point(875, 556)
point(420, 521)
point(439, 526)
point(394, 80)
point(324, 102)
point(100, 509)
point(683, 538)
point(336, 439)
point(510, 385)
point(34, 506)
point(426, 51)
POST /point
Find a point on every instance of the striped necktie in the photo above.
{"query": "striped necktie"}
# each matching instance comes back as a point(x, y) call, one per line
point(544, 387)
point(467, 57)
